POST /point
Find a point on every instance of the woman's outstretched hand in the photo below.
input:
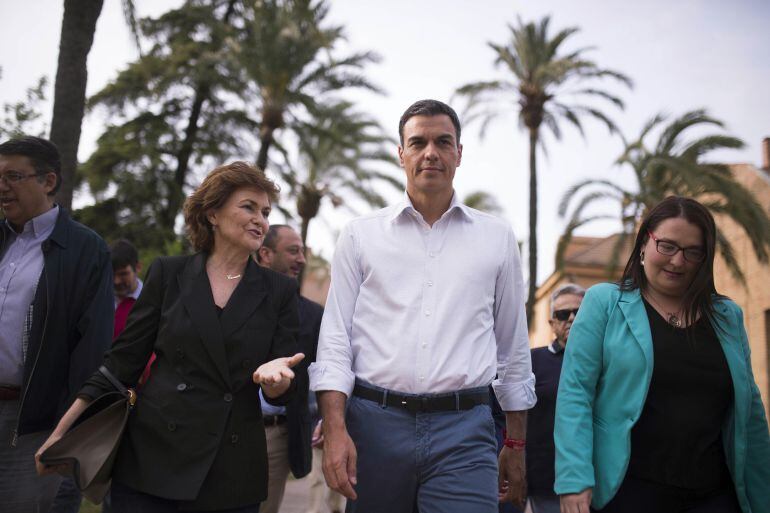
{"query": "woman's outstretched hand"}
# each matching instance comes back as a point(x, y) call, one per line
point(275, 376)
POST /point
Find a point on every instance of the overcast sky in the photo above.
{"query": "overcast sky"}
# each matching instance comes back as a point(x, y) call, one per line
point(681, 54)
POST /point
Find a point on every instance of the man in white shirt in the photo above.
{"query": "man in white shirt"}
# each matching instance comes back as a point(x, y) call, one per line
point(425, 310)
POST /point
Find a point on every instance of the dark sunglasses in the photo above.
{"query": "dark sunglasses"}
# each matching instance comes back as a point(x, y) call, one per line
point(563, 315)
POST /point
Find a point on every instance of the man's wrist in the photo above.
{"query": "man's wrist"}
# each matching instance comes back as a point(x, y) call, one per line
point(514, 443)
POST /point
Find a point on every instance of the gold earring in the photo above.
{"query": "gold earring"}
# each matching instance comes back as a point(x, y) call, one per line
point(641, 258)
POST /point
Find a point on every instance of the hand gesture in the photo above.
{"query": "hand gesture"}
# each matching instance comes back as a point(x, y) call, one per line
point(275, 376)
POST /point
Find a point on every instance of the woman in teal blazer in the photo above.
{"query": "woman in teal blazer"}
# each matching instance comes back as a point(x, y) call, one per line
point(616, 405)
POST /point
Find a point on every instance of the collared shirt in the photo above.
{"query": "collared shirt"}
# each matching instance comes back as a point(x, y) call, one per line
point(20, 270)
point(555, 347)
point(133, 295)
point(420, 309)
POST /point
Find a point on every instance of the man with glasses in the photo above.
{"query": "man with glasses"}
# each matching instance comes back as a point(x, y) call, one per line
point(546, 365)
point(55, 313)
point(288, 429)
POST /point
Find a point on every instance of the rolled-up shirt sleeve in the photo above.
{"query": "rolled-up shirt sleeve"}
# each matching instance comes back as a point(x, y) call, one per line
point(333, 368)
point(515, 383)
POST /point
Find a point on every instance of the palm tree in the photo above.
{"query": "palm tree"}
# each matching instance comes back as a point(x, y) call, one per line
point(287, 53)
point(341, 152)
point(672, 166)
point(77, 36)
point(545, 83)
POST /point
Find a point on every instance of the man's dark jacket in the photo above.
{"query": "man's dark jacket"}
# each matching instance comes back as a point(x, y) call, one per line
point(300, 423)
point(72, 316)
point(196, 434)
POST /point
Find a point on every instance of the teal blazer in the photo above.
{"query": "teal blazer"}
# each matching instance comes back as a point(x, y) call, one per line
point(604, 381)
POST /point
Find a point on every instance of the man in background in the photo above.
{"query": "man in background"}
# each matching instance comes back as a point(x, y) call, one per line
point(125, 281)
point(546, 365)
point(289, 429)
point(55, 314)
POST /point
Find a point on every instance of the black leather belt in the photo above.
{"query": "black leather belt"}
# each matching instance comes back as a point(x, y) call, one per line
point(9, 393)
point(274, 420)
point(423, 403)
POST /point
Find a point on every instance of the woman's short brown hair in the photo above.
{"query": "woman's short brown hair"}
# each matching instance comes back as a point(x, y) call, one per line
point(216, 188)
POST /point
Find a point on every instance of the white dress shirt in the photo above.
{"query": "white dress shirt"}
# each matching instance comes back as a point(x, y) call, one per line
point(424, 310)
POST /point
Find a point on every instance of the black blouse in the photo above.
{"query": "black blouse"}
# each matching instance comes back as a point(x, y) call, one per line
point(678, 438)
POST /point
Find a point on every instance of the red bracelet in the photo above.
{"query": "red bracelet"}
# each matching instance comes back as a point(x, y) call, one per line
point(513, 443)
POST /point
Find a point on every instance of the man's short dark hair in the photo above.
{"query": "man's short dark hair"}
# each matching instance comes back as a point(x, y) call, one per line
point(271, 238)
point(42, 153)
point(123, 253)
point(428, 108)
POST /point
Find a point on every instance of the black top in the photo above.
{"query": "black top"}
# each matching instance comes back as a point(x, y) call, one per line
point(541, 454)
point(677, 440)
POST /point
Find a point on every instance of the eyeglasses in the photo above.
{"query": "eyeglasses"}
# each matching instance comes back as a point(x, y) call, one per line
point(563, 315)
point(664, 247)
point(13, 177)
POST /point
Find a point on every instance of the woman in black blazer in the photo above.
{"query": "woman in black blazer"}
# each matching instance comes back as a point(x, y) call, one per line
point(221, 326)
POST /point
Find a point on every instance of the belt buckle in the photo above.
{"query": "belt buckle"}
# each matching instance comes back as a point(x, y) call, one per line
point(415, 404)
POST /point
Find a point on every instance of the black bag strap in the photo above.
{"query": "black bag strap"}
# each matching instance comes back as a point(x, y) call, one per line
point(115, 381)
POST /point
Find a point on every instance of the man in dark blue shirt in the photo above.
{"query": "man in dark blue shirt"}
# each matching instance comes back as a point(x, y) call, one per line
point(546, 365)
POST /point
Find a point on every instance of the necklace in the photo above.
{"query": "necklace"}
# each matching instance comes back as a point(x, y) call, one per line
point(232, 276)
point(673, 319)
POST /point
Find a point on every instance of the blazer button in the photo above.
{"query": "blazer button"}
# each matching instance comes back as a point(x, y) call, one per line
point(246, 364)
point(179, 353)
point(228, 397)
point(181, 387)
point(234, 438)
point(171, 426)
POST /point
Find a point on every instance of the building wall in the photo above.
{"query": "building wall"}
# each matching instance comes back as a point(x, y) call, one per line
point(755, 298)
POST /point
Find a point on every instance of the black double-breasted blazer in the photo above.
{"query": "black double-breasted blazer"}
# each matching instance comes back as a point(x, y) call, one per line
point(196, 434)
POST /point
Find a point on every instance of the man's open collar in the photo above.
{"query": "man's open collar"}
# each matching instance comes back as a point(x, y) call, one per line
point(405, 206)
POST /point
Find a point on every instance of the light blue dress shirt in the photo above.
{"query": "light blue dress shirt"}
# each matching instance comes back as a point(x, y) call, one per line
point(20, 270)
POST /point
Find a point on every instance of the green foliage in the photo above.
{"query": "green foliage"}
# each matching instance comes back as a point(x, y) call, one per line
point(676, 166)
point(24, 117)
point(217, 74)
point(546, 80)
point(342, 155)
point(288, 53)
point(174, 113)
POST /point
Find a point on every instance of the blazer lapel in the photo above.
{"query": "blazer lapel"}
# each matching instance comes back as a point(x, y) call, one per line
point(244, 301)
point(631, 305)
point(730, 339)
point(199, 302)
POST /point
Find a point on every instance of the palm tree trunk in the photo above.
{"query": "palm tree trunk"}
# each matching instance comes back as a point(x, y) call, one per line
point(77, 37)
point(265, 141)
point(176, 195)
point(533, 137)
point(303, 233)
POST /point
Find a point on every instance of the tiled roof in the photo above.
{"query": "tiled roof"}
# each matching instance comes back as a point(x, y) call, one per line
point(596, 251)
